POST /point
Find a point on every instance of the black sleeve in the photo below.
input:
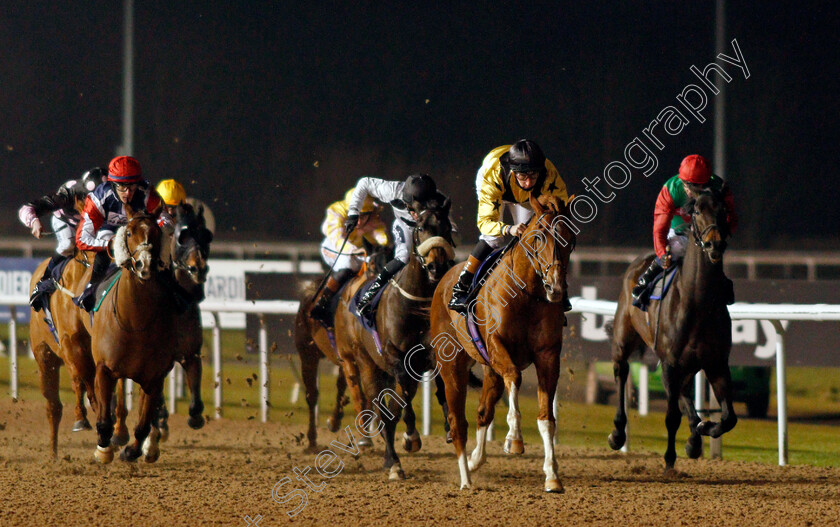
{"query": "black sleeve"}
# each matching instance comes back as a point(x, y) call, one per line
point(62, 199)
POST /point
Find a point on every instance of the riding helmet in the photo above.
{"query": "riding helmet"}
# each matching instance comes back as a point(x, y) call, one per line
point(695, 169)
point(125, 170)
point(526, 156)
point(171, 192)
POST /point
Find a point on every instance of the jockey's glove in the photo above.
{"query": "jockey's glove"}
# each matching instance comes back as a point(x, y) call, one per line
point(350, 223)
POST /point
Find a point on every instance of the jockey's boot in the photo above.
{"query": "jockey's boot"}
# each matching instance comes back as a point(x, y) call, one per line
point(363, 307)
point(462, 288)
point(321, 310)
point(35, 299)
point(87, 300)
point(650, 273)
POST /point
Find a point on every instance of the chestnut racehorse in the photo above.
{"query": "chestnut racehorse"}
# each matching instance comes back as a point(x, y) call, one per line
point(72, 348)
point(313, 344)
point(402, 321)
point(137, 333)
point(689, 330)
point(520, 318)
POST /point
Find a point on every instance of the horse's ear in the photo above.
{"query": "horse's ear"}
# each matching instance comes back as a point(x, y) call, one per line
point(536, 205)
point(158, 209)
point(129, 211)
point(447, 204)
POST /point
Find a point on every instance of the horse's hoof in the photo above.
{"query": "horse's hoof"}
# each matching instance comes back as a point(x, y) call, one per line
point(129, 454)
point(554, 485)
point(364, 442)
point(514, 446)
point(118, 440)
point(466, 486)
point(617, 439)
point(333, 424)
point(312, 449)
point(81, 425)
point(704, 428)
point(412, 444)
point(196, 422)
point(164, 433)
point(694, 447)
point(151, 451)
point(448, 437)
point(396, 473)
point(104, 455)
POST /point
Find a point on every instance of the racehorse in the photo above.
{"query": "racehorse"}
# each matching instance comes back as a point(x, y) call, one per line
point(71, 349)
point(690, 329)
point(519, 314)
point(137, 333)
point(402, 321)
point(190, 250)
point(313, 344)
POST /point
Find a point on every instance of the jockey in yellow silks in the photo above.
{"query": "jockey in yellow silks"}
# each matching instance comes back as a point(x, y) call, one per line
point(508, 176)
point(348, 262)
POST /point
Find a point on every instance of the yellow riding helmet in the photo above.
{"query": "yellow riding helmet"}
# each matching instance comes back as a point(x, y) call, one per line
point(367, 207)
point(171, 192)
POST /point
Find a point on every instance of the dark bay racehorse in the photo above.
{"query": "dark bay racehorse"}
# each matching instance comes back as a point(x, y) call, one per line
point(689, 330)
point(313, 344)
point(190, 250)
point(137, 333)
point(402, 320)
point(520, 314)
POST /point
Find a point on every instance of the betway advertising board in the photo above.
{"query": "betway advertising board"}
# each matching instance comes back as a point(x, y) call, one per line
point(753, 341)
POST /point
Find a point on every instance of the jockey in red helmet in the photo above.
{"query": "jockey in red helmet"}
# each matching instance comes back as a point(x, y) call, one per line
point(670, 222)
point(104, 213)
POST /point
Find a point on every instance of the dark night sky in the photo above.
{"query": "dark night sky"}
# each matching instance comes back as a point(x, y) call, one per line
point(241, 101)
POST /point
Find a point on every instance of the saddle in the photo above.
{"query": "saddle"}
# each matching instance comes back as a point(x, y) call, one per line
point(106, 285)
point(658, 287)
point(47, 286)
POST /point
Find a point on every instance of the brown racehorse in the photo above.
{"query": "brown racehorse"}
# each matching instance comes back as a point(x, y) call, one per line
point(137, 333)
point(72, 348)
point(520, 314)
point(689, 330)
point(190, 249)
point(402, 320)
point(313, 344)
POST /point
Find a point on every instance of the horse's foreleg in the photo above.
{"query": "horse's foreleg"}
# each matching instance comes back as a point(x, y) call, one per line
point(334, 421)
point(547, 364)
point(440, 394)
point(104, 389)
point(192, 367)
point(722, 385)
point(48, 364)
point(513, 441)
point(360, 402)
point(618, 436)
point(455, 377)
point(121, 435)
point(411, 438)
point(694, 443)
point(81, 422)
point(150, 399)
point(309, 373)
point(492, 388)
point(672, 378)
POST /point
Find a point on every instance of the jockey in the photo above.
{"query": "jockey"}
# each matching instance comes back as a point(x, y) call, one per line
point(669, 222)
point(508, 176)
point(65, 205)
point(347, 263)
point(104, 213)
point(408, 198)
point(172, 194)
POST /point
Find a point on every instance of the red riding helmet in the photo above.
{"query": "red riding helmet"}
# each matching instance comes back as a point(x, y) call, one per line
point(695, 169)
point(124, 170)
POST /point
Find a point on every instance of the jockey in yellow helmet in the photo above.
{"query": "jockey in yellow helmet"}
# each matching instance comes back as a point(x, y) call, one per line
point(172, 193)
point(348, 262)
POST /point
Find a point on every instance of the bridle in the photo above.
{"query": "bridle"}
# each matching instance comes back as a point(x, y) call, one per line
point(557, 260)
point(701, 238)
point(415, 238)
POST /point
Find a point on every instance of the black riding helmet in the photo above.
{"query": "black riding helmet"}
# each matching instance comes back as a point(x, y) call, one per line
point(419, 190)
point(526, 156)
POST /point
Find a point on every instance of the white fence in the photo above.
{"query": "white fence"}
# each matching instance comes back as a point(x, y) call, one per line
point(776, 314)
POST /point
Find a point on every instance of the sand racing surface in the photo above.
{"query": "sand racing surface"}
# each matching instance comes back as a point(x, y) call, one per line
point(228, 470)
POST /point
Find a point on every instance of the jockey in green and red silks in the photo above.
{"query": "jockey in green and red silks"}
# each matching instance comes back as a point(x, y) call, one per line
point(670, 223)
